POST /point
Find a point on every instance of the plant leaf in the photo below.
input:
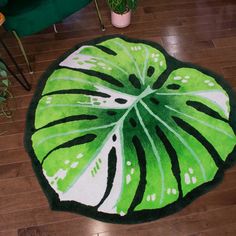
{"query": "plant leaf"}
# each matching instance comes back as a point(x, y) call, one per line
point(3, 73)
point(2, 99)
point(3, 69)
point(5, 82)
point(3, 66)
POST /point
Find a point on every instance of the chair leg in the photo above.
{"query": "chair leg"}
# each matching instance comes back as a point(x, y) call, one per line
point(55, 28)
point(99, 16)
point(25, 84)
point(23, 51)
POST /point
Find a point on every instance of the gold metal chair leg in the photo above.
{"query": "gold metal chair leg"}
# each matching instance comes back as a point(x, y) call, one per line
point(99, 16)
point(55, 28)
point(23, 51)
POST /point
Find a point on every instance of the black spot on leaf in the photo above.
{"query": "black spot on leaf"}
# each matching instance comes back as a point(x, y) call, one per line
point(69, 119)
point(106, 50)
point(79, 91)
point(141, 156)
point(173, 157)
point(120, 100)
point(173, 86)
point(76, 141)
point(102, 76)
point(133, 122)
point(112, 160)
point(111, 113)
point(154, 100)
point(150, 71)
point(134, 81)
point(205, 109)
point(114, 138)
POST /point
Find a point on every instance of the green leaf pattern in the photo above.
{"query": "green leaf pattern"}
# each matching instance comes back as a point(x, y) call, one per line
point(100, 117)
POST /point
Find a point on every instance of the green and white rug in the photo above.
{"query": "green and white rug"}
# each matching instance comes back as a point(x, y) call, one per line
point(120, 131)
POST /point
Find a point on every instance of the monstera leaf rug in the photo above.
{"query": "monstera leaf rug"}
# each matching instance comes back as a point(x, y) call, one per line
point(120, 131)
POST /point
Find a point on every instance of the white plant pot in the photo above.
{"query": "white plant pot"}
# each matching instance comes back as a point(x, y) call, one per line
point(120, 20)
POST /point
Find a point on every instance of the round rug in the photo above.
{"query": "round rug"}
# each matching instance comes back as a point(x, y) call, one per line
point(120, 131)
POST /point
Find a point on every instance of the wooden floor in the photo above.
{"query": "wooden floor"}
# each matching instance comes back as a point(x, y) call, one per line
point(198, 31)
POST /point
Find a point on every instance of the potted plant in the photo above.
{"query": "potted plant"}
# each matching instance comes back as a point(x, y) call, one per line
point(121, 11)
point(4, 92)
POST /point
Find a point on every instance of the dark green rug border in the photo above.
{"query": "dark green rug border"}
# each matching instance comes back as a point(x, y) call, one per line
point(137, 217)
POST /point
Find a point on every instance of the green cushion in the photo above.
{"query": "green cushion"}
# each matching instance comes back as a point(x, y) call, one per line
point(3, 3)
point(27, 17)
point(16, 7)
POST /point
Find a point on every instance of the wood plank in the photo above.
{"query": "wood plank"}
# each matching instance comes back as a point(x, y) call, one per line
point(35, 232)
point(210, 54)
point(182, 224)
point(13, 141)
point(190, 46)
point(15, 170)
point(13, 156)
point(185, 38)
point(33, 217)
point(224, 42)
point(22, 201)
point(17, 115)
point(184, 6)
point(175, 10)
point(12, 127)
point(227, 229)
point(229, 71)
point(9, 233)
point(18, 185)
